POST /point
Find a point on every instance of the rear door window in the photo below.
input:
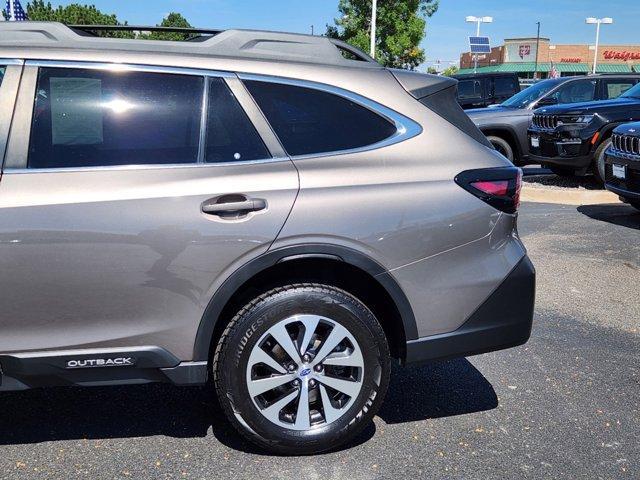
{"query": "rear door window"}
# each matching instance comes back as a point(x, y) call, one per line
point(231, 137)
point(311, 121)
point(90, 117)
point(613, 88)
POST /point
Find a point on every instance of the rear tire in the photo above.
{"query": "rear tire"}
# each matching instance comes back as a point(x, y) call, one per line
point(503, 147)
point(562, 171)
point(318, 396)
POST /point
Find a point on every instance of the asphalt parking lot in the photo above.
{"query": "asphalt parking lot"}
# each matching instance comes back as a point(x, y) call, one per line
point(566, 405)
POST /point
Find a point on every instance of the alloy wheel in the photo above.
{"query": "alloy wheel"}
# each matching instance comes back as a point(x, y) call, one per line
point(305, 372)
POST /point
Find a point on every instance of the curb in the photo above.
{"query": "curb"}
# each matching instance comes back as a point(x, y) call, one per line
point(567, 196)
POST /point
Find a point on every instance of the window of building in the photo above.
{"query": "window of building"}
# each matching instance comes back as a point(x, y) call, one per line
point(310, 121)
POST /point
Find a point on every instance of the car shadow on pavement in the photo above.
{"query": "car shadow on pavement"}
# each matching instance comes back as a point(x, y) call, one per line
point(434, 390)
point(43, 415)
point(616, 213)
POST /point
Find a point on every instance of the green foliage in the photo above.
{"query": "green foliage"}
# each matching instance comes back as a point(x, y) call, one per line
point(75, 14)
point(172, 20)
point(449, 71)
point(432, 70)
point(400, 27)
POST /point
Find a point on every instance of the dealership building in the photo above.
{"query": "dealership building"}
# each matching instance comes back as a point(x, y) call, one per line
point(518, 55)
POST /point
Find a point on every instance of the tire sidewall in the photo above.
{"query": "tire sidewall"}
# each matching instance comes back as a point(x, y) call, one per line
point(339, 307)
point(599, 169)
point(504, 145)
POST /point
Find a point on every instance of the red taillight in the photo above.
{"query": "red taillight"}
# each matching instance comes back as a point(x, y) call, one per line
point(499, 187)
point(492, 187)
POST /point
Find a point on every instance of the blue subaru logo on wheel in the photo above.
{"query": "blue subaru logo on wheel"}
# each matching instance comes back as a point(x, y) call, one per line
point(305, 372)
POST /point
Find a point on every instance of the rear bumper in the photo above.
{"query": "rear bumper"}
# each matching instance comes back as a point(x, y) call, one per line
point(504, 320)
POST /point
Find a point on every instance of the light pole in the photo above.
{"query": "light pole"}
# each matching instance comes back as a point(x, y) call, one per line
point(374, 13)
point(598, 21)
point(535, 69)
point(477, 21)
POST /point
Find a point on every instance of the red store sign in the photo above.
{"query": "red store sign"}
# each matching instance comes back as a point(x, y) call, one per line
point(570, 60)
point(621, 55)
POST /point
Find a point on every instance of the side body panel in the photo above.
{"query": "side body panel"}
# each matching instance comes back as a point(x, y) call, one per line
point(400, 206)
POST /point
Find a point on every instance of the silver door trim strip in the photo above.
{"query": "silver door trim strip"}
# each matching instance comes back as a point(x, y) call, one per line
point(127, 67)
point(11, 61)
point(203, 121)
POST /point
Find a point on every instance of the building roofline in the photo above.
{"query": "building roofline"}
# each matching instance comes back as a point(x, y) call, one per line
point(522, 39)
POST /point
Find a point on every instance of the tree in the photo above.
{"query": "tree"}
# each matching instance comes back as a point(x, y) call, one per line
point(400, 27)
point(172, 20)
point(449, 71)
point(432, 70)
point(75, 14)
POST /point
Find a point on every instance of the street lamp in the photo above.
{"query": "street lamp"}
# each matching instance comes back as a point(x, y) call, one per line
point(374, 12)
point(477, 21)
point(597, 21)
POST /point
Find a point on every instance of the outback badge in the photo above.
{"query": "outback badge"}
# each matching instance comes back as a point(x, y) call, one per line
point(101, 362)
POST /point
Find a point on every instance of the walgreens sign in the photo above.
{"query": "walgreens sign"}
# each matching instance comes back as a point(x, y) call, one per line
point(621, 55)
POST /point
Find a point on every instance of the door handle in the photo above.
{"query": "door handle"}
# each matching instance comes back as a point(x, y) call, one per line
point(242, 206)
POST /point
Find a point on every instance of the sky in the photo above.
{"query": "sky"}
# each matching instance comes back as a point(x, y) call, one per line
point(446, 35)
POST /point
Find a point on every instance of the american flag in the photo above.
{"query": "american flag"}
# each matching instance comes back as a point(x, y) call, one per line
point(15, 12)
point(554, 73)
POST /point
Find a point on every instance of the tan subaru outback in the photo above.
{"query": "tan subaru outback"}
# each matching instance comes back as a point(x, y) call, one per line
point(276, 213)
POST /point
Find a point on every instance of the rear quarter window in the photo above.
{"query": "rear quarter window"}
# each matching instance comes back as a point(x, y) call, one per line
point(310, 121)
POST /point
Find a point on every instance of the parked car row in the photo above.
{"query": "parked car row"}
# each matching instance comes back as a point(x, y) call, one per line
point(573, 126)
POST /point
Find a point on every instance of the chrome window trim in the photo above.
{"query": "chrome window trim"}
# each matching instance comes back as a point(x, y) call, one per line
point(127, 67)
point(11, 61)
point(151, 166)
point(202, 138)
point(141, 68)
point(405, 127)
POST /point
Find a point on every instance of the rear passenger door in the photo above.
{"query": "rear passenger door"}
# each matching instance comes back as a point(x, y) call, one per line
point(128, 194)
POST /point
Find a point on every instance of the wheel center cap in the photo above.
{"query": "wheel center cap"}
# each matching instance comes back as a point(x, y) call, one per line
point(304, 372)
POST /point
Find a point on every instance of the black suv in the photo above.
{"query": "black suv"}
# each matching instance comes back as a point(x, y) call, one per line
point(572, 139)
point(622, 163)
point(505, 125)
point(477, 90)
